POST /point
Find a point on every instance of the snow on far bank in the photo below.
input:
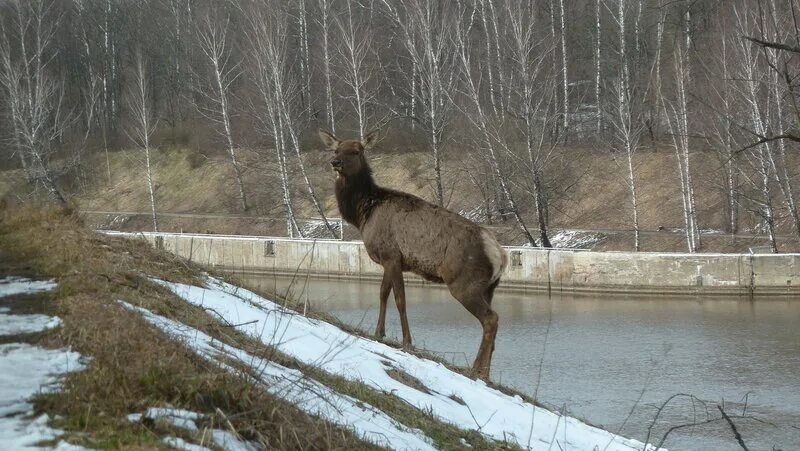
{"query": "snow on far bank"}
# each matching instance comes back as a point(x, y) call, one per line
point(453, 398)
point(576, 239)
point(308, 395)
point(26, 370)
point(19, 285)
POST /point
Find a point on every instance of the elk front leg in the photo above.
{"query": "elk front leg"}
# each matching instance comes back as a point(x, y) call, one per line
point(386, 287)
point(400, 299)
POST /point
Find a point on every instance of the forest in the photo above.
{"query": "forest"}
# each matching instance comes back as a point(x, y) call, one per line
point(511, 84)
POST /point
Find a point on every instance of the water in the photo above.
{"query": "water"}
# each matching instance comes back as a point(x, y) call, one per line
point(614, 360)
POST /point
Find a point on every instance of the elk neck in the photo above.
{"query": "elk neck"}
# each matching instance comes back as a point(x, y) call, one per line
point(357, 195)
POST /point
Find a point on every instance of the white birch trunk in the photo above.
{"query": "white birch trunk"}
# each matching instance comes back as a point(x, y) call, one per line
point(488, 39)
point(597, 67)
point(564, 70)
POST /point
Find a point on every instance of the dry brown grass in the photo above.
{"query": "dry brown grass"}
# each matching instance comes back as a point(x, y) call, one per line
point(133, 366)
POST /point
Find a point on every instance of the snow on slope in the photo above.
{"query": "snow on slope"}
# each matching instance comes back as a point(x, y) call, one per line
point(454, 398)
point(291, 385)
point(185, 419)
point(20, 285)
point(26, 324)
point(26, 370)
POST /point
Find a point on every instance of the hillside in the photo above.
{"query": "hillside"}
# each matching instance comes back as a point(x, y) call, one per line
point(158, 354)
point(197, 194)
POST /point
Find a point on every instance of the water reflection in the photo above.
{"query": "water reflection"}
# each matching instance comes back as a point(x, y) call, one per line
point(613, 361)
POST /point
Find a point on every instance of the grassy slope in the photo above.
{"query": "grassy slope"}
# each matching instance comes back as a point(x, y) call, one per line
point(133, 366)
point(596, 199)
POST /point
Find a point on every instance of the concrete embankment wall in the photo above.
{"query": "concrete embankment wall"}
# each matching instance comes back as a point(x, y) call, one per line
point(529, 269)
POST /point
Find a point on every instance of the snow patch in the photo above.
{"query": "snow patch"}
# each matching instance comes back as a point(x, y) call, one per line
point(179, 418)
point(576, 239)
point(179, 443)
point(10, 286)
point(316, 228)
point(26, 370)
point(229, 442)
point(26, 324)
point(185, 419)
point(331, 349)
point(307, 394)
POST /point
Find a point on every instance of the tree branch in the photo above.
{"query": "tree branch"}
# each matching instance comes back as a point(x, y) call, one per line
point(773, 45)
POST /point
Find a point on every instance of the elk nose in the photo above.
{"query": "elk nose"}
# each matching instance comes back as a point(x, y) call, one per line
point(337, 163)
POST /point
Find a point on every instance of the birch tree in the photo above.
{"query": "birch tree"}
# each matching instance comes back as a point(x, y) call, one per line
point(324, 18)
point(277, 110)
point(532, 95)
point(143, 125)
point(723, 139)
point(354, 46)
point(627, 128)
point(564, 72)
point(212, 37)
point(268, 38)
point(597, 67)
point(677, 117)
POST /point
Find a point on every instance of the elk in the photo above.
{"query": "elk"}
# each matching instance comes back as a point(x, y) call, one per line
point(402, 232)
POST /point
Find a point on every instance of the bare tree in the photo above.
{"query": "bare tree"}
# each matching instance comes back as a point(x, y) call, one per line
point(423, 27)
point(35, 97)
point(143, 125)
point(212, 37)
point(532, 94)
point(564, 72)
point(488, 138)
point(750, 73)
point(597, 67)
point(268, 39)
point(677, 116)
point(323, 16)
point(626, 126)
point(278, 112)
point(722, 126)
point(355, 71)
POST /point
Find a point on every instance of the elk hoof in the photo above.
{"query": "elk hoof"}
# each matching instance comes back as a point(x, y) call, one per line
point(407, 344)
point(379, 334)
point(481, 373)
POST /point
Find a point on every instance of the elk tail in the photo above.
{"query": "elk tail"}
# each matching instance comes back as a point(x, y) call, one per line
point(496, 254)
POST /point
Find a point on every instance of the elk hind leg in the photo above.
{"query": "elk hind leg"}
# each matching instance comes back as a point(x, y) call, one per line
point(476, 298)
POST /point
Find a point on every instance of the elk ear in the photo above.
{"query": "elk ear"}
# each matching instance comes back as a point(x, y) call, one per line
point(330, 141)
point(369, 139)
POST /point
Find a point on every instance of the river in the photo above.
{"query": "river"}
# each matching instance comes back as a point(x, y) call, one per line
point(613, 360)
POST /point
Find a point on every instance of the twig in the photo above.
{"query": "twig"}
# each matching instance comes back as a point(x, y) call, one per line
point(240, 324)
point(733, 428)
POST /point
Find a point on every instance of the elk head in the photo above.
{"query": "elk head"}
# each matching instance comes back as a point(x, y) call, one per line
point(348, 158)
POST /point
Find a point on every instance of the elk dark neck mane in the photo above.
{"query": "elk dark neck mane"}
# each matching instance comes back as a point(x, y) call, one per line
point(357, 195)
